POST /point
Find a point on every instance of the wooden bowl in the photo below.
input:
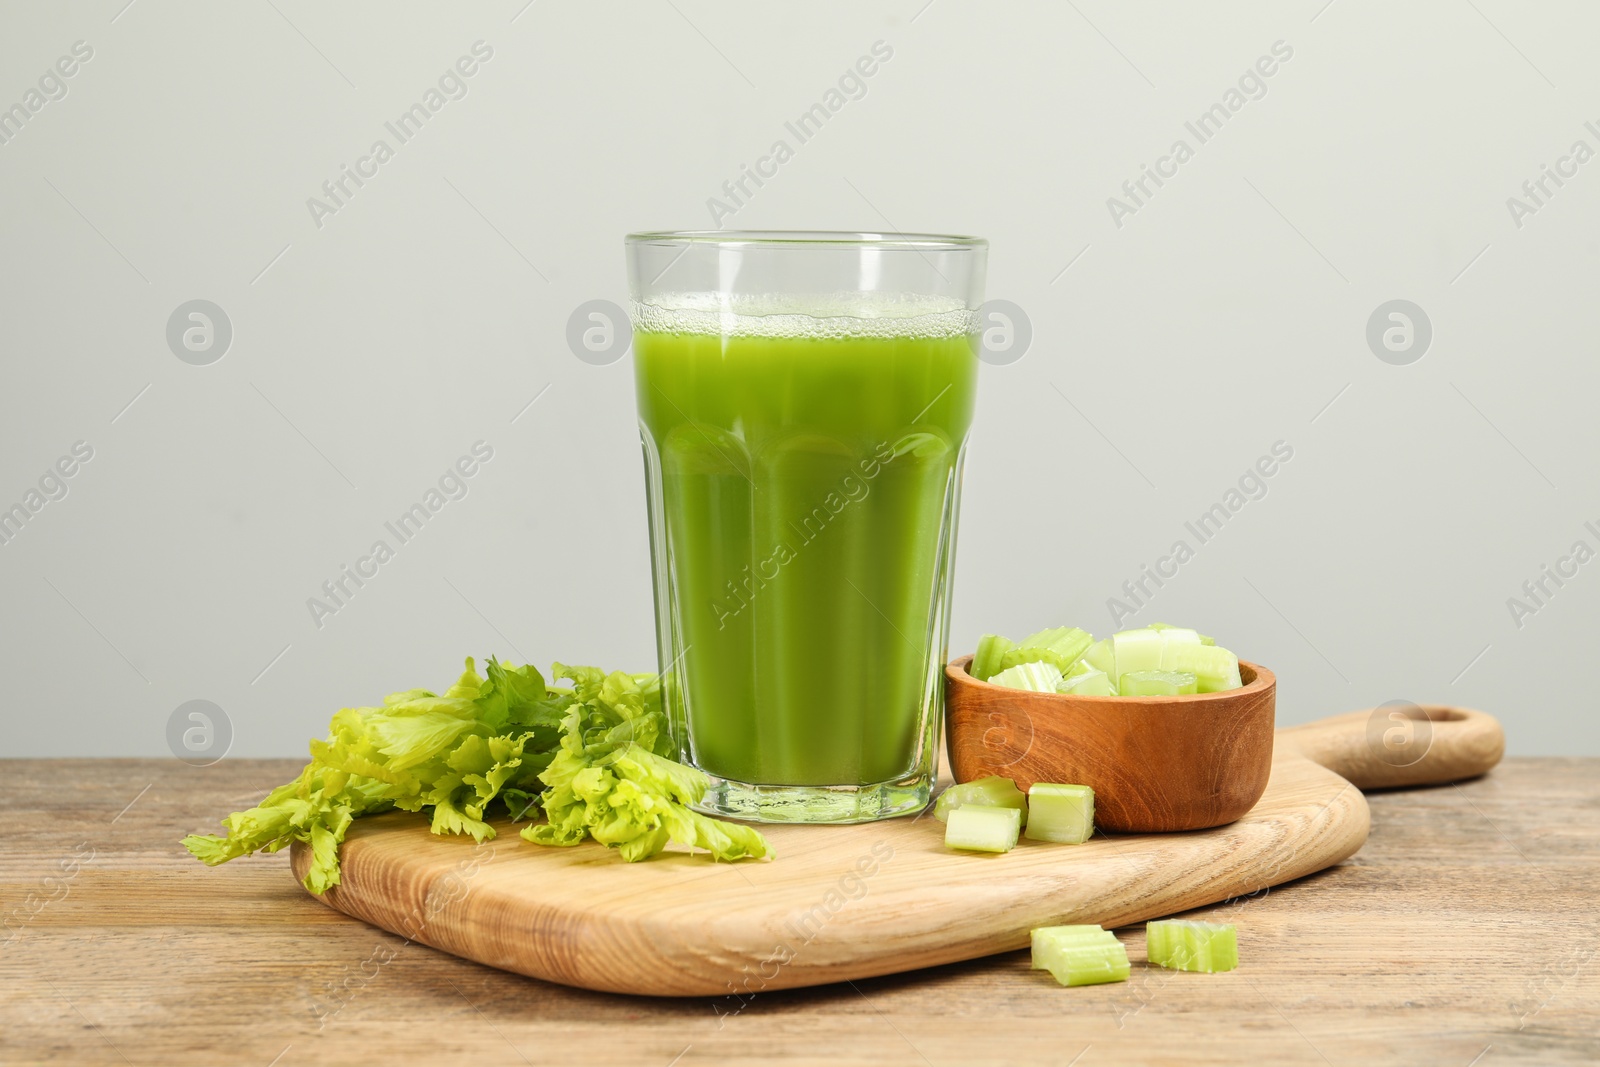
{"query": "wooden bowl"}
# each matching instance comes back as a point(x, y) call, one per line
point(1155, 763)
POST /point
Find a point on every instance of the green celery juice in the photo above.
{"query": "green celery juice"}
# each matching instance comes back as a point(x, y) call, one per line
point(804, 471)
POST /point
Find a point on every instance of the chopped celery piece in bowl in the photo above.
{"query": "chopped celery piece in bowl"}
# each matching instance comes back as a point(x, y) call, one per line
point(1087, 667)
point(1035, 677)
point(1087, 683)
point(1059, 647)
point(986, 661)
point(1215, 669)
point(1156, 684)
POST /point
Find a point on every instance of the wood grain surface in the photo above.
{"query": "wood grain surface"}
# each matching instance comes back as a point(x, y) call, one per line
point(847, 902)
point(1464, 932)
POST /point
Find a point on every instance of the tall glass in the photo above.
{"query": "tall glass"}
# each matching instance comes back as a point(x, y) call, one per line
point(804, 400)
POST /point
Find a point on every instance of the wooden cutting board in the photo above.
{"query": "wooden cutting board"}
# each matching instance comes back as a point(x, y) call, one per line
point(843, 902)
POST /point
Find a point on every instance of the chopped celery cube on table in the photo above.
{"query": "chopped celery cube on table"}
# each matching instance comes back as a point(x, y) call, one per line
point(1189, 945)
point(1062, 814)
point(1156, 683)
point(1046, 938)
point(976, 828)
point(1035, 677)
point(990, 792)
point(1080, 955)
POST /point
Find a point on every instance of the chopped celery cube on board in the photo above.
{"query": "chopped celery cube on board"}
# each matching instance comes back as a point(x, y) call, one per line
point(982, 829)
point(1156, 684)
point(990, 792)
point(1036, 677)
point(1080, 955)
point(1062, 814)
point(1087, 683)
point(1187, 945)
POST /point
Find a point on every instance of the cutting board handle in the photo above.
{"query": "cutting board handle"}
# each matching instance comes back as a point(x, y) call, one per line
point(1400, 744)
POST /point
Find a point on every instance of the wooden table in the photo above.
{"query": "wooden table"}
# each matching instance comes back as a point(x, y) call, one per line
point(1465, 932)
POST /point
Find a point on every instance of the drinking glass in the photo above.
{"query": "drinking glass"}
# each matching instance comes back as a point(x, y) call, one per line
point(804, 400)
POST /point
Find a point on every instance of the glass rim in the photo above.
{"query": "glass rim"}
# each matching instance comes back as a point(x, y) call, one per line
point(919, 242)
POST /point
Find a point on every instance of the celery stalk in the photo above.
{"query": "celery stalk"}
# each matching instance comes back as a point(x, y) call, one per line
point(1136, 650)
point(1060, 647)
point(990, 792)
point(982, 829)
point(1100, 657)
point(1035, 677)
point(1215, 669)
point(1176, 634)
point(1062, 814)
point(1080, 955)
point(1188, 945)
point(1088, 683)
point(986, 661)
point(1155, 683)
point(1046, 938)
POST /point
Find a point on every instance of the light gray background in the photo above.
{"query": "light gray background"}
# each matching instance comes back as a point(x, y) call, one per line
point(1229, 313)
